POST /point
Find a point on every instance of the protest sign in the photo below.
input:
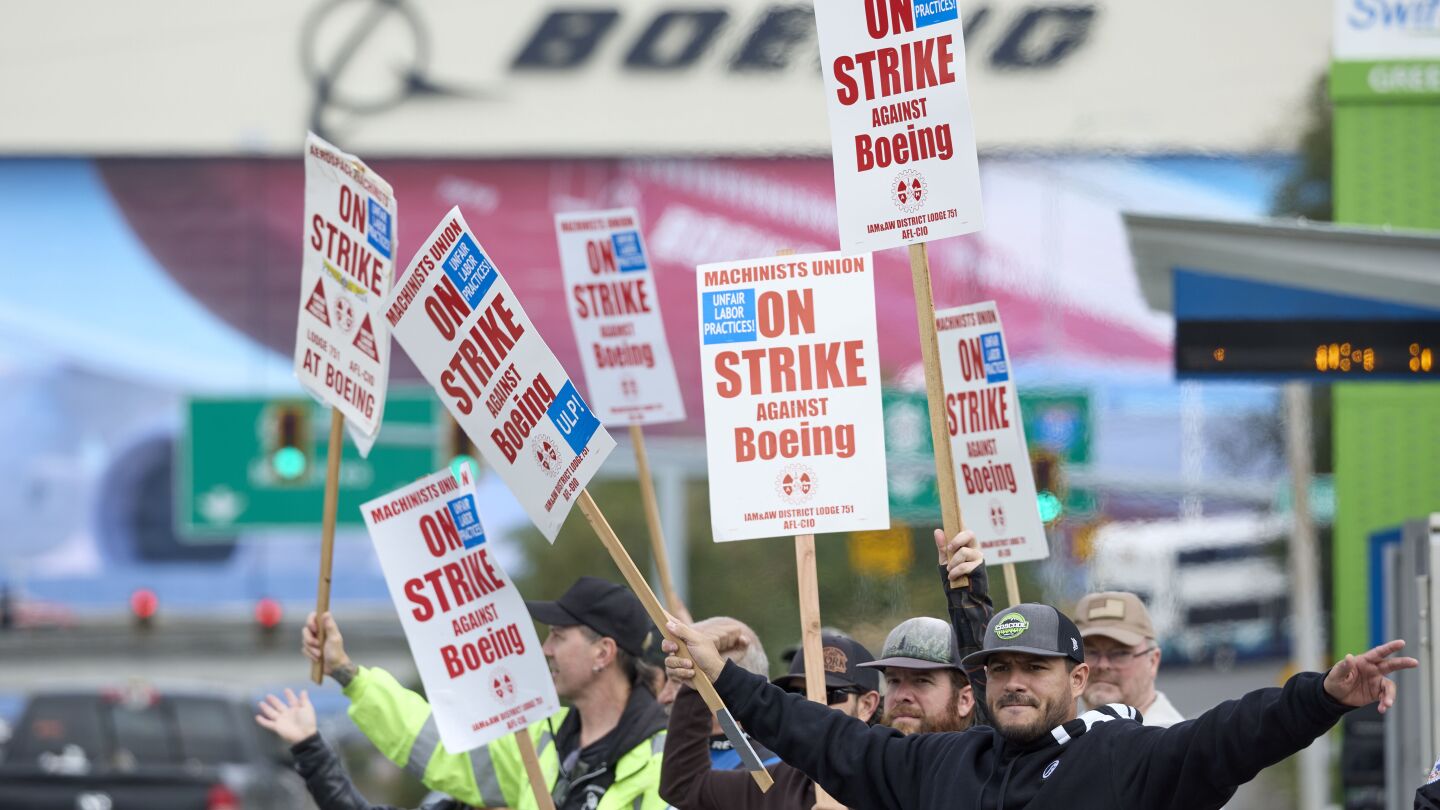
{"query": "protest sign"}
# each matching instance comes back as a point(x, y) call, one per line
point(987, 437)
point(465, 330)
point(900, 129)
point(468, 629)
point(790, 366)
point(615, 310)
point(342, 343)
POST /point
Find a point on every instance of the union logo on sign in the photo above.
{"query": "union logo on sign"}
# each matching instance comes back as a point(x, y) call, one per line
point(795, 483)
point(909, 191)
point(997, 515)
point(503, 686)
point(546, 453)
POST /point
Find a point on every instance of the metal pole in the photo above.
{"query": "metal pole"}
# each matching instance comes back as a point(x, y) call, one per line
point(670, 482)
point(1306, 633)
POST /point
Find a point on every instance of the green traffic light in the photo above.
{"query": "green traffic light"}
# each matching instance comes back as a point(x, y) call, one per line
point(1050, 506)
point(459, 463)
point(289, 463)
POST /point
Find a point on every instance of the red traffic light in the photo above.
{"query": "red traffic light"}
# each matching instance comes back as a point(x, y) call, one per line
point(268, 613)
point(144, 603)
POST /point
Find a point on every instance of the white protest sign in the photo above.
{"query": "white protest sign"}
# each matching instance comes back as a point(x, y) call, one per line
point(793, 421)
point(900, 127)
point(987, 438)
point(610, 289)
point(469, 631)
point(465, 330)
point(342, 343)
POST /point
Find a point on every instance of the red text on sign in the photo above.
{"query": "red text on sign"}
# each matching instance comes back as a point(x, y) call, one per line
point(452, 585)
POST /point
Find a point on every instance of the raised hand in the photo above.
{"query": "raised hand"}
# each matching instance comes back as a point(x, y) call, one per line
point(960, 554)
point(293, 719)
point(1363, 679)
point(702, 649)
point(336, 661)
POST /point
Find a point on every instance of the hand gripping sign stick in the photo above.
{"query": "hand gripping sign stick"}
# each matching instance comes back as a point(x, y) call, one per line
point(657, 615)
point(950, 518)
point(327, 533)
point(652, 519)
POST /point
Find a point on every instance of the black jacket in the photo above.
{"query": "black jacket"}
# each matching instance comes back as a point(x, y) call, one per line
point(1095, 761)
point(331, 787)
point(1428, 796)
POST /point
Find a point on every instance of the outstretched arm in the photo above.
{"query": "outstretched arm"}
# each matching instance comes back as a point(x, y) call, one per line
point(970, 607)
point(1201, 761)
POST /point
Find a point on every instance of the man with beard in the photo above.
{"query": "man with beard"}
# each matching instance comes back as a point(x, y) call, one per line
point(925, 687)
point(1123, 655)
point(1039, 754)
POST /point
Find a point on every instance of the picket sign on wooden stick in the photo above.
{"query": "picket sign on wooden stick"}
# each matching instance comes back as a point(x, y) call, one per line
point(532, 770)
point(950, 518)
point(1012, 585)
point(652, 520)
point(637, 583)
point(327, 533)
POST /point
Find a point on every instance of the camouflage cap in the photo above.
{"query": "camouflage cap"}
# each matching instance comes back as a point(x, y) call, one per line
point(919, 643)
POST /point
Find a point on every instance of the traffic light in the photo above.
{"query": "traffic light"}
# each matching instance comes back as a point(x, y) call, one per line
point(460, 450)
point(1049, 485)
point(268, 614)
point(143, 605)
point(291, 445)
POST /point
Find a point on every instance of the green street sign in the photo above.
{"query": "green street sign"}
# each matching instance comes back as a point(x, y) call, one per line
point(242, 464)
point(1055, 421)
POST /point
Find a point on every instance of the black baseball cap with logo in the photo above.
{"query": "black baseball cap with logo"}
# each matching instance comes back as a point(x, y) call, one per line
point(608, 609)
point(1030, 628)
point(843, 657)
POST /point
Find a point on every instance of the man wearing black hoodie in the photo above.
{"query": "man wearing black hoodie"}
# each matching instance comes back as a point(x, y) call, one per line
point(1039, 754)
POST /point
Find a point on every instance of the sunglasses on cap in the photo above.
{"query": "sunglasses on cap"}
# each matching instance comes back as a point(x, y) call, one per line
point(832, 696)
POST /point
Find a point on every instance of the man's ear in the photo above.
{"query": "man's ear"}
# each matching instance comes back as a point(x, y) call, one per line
point(967, 700)
point(1079, 678)
point(869, 702)
point(605, 650)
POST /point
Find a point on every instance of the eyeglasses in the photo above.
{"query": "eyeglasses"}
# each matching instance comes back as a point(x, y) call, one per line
point(1118, 658)
point(833, 697)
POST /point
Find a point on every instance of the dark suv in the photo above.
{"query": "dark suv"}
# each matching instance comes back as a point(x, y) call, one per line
point(138, 748)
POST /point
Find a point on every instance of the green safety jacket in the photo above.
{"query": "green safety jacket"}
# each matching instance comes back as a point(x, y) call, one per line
point(401, 725)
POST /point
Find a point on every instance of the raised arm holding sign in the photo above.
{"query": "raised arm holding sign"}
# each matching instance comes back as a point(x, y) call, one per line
point(342, 344)
point(463, 327)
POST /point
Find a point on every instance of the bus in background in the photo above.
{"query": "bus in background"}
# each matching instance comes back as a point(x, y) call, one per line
point(1217, 587)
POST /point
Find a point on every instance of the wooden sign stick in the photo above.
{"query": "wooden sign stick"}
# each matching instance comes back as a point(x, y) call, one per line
point(647, 597)
point(532, 770)
point(808, 579)
point(950, 519)
point(327, 534)
point(652, 519)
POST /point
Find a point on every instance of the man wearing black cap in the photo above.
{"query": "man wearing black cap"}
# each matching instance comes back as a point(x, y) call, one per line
point(602, 752)
point(689, 782)
point(1039, 754)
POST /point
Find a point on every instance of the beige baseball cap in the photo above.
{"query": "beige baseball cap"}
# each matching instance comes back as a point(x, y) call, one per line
point(1114, 614)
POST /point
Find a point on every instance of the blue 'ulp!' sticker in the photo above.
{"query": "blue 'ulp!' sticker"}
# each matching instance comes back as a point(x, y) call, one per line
point(930, 12)
point(728, 316)
point(628, 255)
point(378, 228)
point(572, 417)
point(470, 269)
point(992, 349)
point(467, 520)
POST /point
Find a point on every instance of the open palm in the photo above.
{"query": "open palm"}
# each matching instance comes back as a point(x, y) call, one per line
point(292, 719)
point(1360, 680)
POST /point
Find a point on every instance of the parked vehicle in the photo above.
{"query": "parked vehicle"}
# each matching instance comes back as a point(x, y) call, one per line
point(145, 750)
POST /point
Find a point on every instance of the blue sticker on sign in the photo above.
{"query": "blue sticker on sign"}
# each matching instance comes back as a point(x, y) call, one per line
point(628, 255)
point(572, 417)
point(378, 229)
point(930, 12)
point(992, 349)
point(728, 317)
point(467, 521)
point(470, 269)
